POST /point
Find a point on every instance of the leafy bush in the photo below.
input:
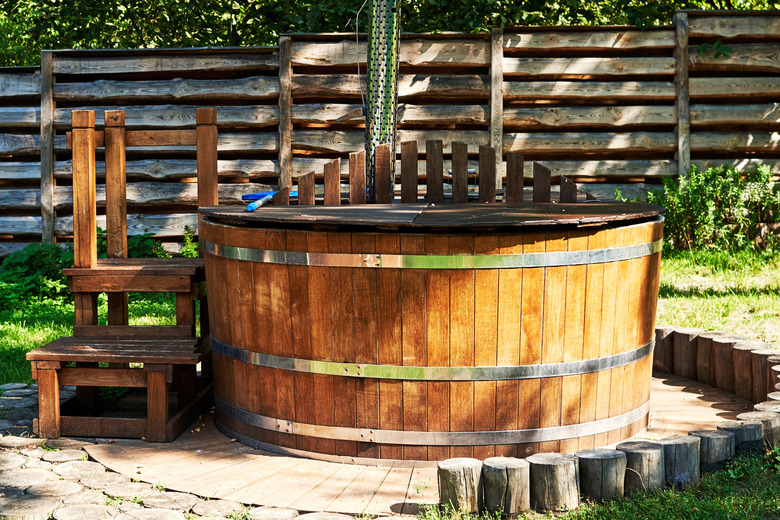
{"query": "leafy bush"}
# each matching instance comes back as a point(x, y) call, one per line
point(138, 246)
point(718, 208)
point(35, 271)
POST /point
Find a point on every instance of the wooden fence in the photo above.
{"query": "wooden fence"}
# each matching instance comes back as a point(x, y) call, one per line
point(609, 107)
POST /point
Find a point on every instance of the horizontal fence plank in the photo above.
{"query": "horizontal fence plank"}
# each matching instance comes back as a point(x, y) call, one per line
point(735, 114)
point(25, 199)
point(171, 224)
point(15, 144)
point(740, 164)
point(417, 52)
point(159, 169)
point(178, 116)
point(623, 39)
point(735, 141)
point(719, 26)
point(6, 248)
point(521, 67)
point(228, 142)
point(206, 90)
point(591, 90)
point(733, 88)
point(343, 142)
point(20, 117)
point(20, 171)
point(562, 117)
point(181, 62)
point(742, 58)
point(658, 168)
point(17, 226)
point(160, 194)
point(326, 113)
point(634, 191)
point(434, 87)
point(20, 85)
point(590, 142)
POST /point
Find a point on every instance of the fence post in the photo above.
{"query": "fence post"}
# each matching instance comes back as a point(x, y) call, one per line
point(683, 98)
point(47, 148)
point(285, 112)
point(497, 99)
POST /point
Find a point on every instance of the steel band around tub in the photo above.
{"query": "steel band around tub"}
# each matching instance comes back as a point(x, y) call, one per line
point(393, 261)
point(418, 438)
point(418, 373)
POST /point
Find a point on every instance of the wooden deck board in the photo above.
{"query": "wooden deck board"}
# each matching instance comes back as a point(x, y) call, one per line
point(205, 462)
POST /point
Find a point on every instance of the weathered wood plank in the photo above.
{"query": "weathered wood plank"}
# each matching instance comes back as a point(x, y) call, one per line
point(569, 67)
point(159, 169)
point(760, 57)
point(18, 171)
point(581, 117)
point(15, 144)
point(285, 111)
point(6, 248)
point(171, 224)
point(418, 52)
point(157, 194)
point(591, 40)
point(179, 116)
point(47, 147)
point(323, 113)
point(742, 163)
point(182, 61)
point(418, 86)
point(20, 85)
point(343, 142)
point(591, 142)
point(733, 88)
point(20, 117)
point(735, 114)
point(497, 98)
point(228, 142)
point(20, 198)
point(206, 90)
point(683, 102)
point(21, 226)
point(736, 142)
point(581, 91)
point(719, 26)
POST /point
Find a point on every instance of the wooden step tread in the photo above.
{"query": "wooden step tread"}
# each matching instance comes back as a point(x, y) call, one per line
point(85, 349)
point(140, 266)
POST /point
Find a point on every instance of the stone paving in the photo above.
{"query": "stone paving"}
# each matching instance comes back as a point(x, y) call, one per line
point(42, 479)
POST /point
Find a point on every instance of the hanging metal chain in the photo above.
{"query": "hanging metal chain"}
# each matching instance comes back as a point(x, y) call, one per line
point(382, 109)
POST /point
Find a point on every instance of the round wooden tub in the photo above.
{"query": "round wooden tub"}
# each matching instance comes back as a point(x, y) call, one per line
point(423, 333)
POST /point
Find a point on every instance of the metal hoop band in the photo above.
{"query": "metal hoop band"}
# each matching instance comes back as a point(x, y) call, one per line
point(392, 261)
point(418, 373)
point(478, 438)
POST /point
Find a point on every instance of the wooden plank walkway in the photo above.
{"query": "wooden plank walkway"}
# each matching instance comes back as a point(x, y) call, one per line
point(205, 462)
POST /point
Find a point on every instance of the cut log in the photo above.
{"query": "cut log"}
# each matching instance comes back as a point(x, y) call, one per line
point(460, 484)
point(507, 485)
point(748, 435)
point(685, 352)
point(716, 448)
point(759, 372)
point(743, 372)
point(773, 396)
point(771, 422)
point(704, 364)
point(663, 356)
point(644, 465)
point(723, 363)
point(554, 482)
point(772, 369)
point(681, 460)
point(602, 474)
point(767, 406)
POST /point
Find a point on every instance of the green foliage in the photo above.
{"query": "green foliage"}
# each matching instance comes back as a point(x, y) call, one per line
point(718, 207)
point(138, 246)
point(190, 247)
point(34, 272)
point(27, 26)
point(718, 49)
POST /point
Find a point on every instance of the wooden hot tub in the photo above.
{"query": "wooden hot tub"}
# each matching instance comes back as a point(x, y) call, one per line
point(428, 332)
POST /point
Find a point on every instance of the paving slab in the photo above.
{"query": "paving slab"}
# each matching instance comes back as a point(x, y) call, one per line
point(103, 479)
point(28, 508)
point(65, 455)
point(16, 415)
point(20, 392)
point(14, 442)
point(217, 508)
point(88, 496)
point(171, 500)
point(325, 516)
point(24, 478)
point(78, 468)
point(9, 403)
point(277, 513)
point(130, 490)
point(65, 443)
point(56, 488)
point(11, 460)
point(152, 514)
point(85, 512)
point(38, 464)
point(14, 386)
point(4, 425)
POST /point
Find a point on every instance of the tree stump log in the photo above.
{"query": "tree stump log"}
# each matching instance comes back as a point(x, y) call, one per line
point(602, 474)
point(681, 460)
point(716, 448)
point(554, 482)
point(771, 422)
point(761, 378)
point(506, 481)
point(743, 378)
point(644, 465)
point(460, 484)
point(772, 362)
point(723, 363)
point(704, 358)
point(773, 396)
point(685, 352)
point(663, 355)
point(767, 406)
point(748, 435)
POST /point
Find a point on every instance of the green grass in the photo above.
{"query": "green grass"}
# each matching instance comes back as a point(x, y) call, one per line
point(748, 489)
point(736, 293)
